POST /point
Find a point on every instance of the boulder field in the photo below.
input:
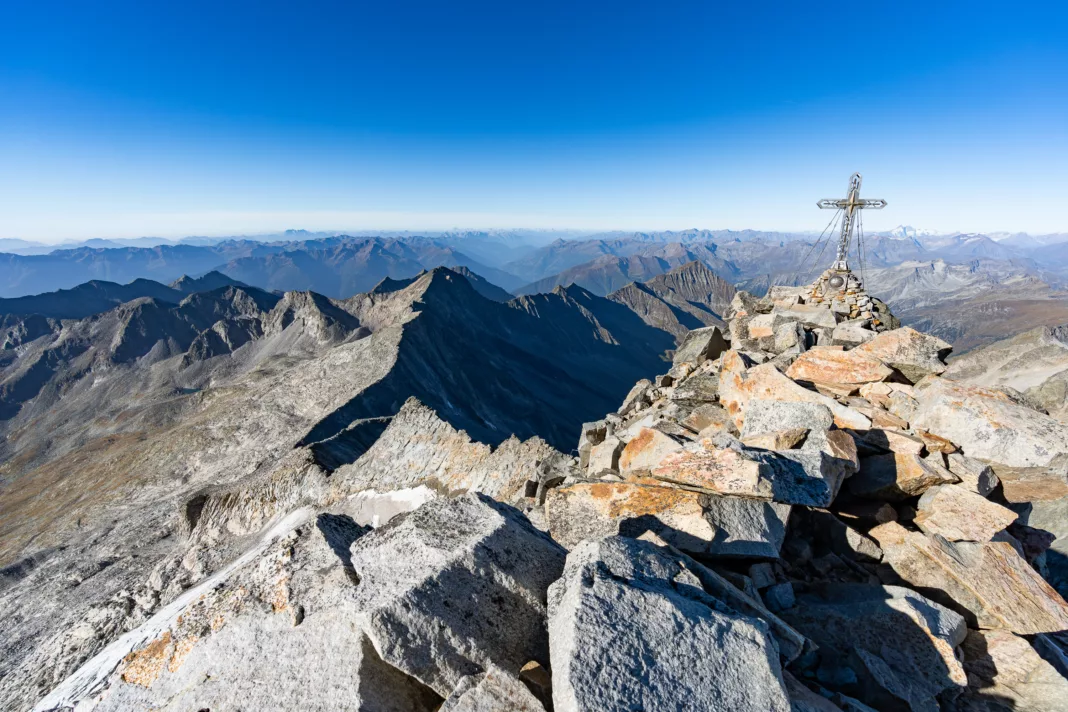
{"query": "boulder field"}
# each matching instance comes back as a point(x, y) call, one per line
point(802, 514)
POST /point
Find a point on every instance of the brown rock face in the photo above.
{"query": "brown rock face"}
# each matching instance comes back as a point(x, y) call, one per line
point(955, 513)
point(988, 582)
point(738, 385)
point(725, 471)
point(824, 366)
point(691, 522)
point(897, 476)
point(913, 354)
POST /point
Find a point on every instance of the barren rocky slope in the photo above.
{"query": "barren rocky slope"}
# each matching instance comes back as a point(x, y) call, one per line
point(115, 423)
point(802, 513)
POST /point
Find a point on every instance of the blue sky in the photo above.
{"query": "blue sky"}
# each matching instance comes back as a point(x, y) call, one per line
point(120, 119)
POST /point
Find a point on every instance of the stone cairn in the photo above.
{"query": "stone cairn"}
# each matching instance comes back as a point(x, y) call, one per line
point(843, 292)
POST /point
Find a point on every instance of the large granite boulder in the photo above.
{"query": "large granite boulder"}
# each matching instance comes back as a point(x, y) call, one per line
point(887, 645)
point(844, 368)
point(275, 629)
point(988, 582)
point(810, 477)
point(989, 424)
point(454, 588)
point(631, 628)
point(913, 354)
point(1006, 674)
point(695, 523)
point(701, 345)
point(739, 384)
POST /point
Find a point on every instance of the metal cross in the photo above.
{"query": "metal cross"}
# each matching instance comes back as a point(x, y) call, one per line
point(849, 207)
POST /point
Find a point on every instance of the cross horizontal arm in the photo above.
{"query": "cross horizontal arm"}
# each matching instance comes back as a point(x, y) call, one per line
point(829, 203)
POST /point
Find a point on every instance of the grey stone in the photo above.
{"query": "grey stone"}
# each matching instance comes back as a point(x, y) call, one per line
point(897, 645)
point(762, 575)
point(976, 476)
point(767, 416)
point(704, 525)
point(744, 528)
point(913, 354)
point(284, 612)
point(631, 628)
point(988, 424)
point(779, 597)
point(493, 691)
point(455, 587)
point(812, 317)
point(638, 397)
point(851, 334)
point(701, 345)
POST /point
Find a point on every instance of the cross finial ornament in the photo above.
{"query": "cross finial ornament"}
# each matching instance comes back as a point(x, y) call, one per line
point(849, 207)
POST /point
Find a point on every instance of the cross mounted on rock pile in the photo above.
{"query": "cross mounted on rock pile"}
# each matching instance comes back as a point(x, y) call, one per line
point(838, 287)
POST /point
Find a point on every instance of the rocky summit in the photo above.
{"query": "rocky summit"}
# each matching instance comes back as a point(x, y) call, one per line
point(811, 510)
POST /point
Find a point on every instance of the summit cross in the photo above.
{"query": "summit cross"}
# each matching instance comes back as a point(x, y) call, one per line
point(849, 207)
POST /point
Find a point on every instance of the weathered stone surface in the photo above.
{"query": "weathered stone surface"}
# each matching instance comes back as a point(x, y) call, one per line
point(706, 416)
point(792, 477)
point(701, 345)
point(1028, 484)
point(790, 336)
point(838, 367)
point(701, 387)
point(1047, 514)
point(592, 434)
point(988, 582)
point(957, 514)
point(605, 455)
point(897, 644)
point(283, 612)
point(974, 475)
point(896, 477)
point(742, 598)
point(632, 628)
point(691, 522)
point(637, 398)
point(803, 699)
point(645, 451)
point(913, 354)
point(738, 385)
point(744, 528)
point(769, 416)
point(988, 424)
point(455, 587)
point(851, 334)
point(778, 440)
point(812, 317)
point(419, 448)
point(1005, 673)
point(493, 691)
point(893, 441)
point(779, 597)
point(761, 326)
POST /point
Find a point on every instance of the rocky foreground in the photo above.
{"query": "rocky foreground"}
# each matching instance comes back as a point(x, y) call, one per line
point(801, 514)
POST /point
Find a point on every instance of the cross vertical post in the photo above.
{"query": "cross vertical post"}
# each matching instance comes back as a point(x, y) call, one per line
point(849, 207)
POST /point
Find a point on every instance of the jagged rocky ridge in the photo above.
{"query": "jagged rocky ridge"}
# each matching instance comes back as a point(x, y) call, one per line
point(808, 519)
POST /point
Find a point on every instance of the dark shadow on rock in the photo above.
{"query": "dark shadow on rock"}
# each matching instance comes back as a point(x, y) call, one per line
point(340, 530)
point(871, 650)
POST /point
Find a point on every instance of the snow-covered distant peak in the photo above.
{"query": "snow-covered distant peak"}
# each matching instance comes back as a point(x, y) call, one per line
point(909, 231)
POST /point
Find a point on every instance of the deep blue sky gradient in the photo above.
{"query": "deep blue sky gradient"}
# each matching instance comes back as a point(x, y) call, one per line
point(133, 118)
